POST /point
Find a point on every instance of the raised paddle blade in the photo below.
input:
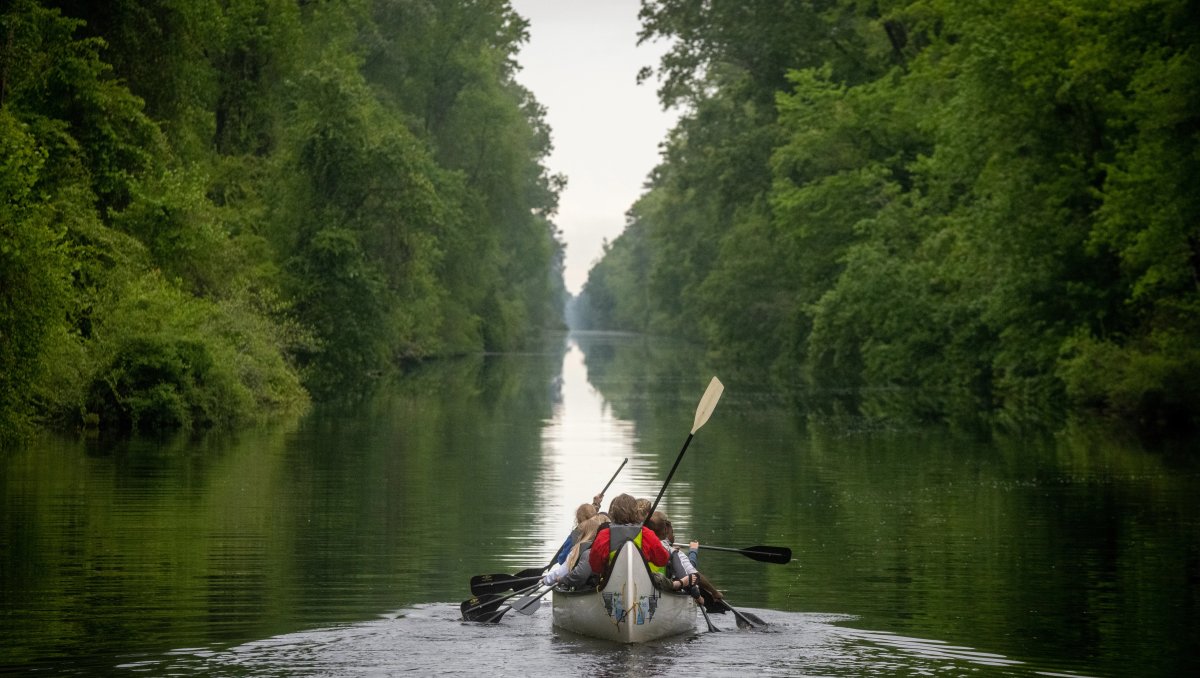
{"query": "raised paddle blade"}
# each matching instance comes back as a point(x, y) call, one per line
point(530, 573)
point(703, 411)
point(708, 403)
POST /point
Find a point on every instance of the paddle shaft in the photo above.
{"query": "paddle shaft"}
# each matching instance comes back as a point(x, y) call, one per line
point(522, 605)
point(614, 476)
point(471, 608)
point(694, 592)
point(745, 620)
point(779, 555)
point(703, 411)
point(554, 558)
point(495, 583)
point(522, 576)
point(668, 480)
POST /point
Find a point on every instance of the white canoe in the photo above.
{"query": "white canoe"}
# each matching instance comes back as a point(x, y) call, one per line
point(629, 609)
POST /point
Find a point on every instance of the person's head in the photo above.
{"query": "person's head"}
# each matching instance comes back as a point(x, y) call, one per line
point(623, 510)
point(589, 528)
point(587, 532)
point(584, 512)
point(659, 524)
point(643, 509)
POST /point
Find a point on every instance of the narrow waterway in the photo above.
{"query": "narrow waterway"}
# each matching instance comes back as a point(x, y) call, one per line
point(342, 543)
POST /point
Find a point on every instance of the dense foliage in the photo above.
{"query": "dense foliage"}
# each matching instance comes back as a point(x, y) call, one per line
point(211, 209)
point(991, 203)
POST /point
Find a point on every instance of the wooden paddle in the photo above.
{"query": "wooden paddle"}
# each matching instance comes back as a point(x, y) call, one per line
point(776, 555)
point(703, 411)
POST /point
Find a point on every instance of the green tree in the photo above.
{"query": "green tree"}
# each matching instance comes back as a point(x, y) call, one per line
point(358, 227)
point(211, 198)
point(450, 66)
point(988, 203)
point(34, 271)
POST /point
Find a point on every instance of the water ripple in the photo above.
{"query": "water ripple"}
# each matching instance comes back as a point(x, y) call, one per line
point(431, 640)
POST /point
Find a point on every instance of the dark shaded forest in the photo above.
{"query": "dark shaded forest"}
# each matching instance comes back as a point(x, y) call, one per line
point(216, 210)
point(980, 206)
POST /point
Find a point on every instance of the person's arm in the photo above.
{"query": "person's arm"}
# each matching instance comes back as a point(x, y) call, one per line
point(693, 553)
point(599, 552)
point(653, 549)
point(685, 565)
point(565, 549)
point(578, 576)
point(557, 572)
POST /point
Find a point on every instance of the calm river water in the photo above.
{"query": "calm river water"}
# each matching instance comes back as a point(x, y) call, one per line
point(341, 544)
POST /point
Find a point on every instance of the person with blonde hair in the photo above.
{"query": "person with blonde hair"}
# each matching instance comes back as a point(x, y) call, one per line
point(576, 570)
point(582, 513)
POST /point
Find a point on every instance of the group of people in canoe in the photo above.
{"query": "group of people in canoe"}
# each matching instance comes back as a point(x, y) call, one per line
point(586, 556)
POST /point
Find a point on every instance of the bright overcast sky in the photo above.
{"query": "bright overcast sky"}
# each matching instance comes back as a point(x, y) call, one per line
point(581, 63)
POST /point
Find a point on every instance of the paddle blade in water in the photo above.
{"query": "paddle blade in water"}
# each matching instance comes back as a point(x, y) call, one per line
point(493, 617)
point(474, 608)
point(755, 619)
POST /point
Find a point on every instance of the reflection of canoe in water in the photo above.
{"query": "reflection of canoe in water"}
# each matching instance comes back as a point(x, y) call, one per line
point(629, 609)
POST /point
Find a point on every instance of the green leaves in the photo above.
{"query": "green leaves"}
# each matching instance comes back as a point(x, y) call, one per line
point(313, 189)
point(989, 199)
point(34, 274)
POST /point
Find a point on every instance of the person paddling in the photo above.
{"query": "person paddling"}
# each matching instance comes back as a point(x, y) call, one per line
point(582, 513)
point(576, 571)
point(626, 527)
point(681, 571)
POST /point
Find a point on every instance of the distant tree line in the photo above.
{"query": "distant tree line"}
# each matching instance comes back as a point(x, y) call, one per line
point(994, 201)
point(210, 210)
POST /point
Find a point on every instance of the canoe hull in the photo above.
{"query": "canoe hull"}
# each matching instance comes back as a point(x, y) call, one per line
point(629, 609)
